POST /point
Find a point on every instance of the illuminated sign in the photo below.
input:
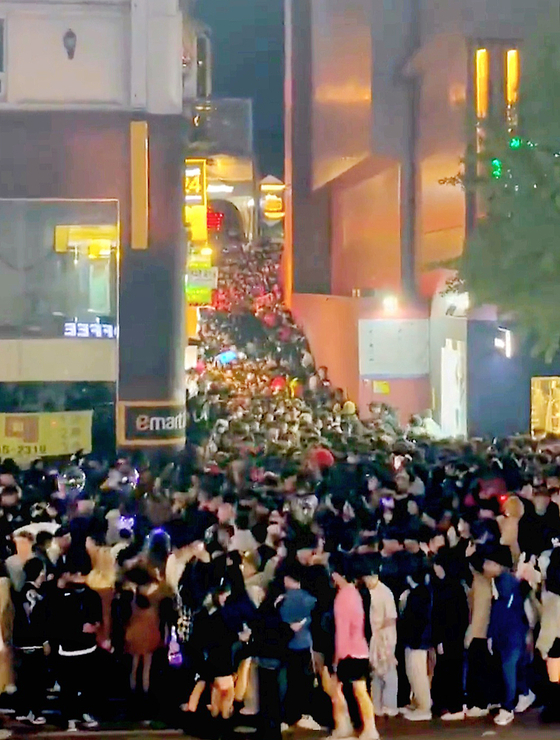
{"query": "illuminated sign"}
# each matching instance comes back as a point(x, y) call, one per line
point(194, 188)
point(83, 330)
point(215, 220)
point(199, 284)
point(273, 207)
point(195, 182)
point(150, 423)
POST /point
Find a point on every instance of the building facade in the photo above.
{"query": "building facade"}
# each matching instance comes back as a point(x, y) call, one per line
point(378, 99)
point(93, 248)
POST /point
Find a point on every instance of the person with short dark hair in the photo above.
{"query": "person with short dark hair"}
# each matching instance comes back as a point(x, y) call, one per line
point(296, 608)
point(508, 633)
point(351, 651)
point(416, 634)
point(77, 615)
point(31, 644)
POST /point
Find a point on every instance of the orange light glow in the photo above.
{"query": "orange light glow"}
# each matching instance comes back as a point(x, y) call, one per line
point(482, 82)
point(512, 76)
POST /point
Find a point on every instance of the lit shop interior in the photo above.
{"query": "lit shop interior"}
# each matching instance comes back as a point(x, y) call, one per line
point(58, 308)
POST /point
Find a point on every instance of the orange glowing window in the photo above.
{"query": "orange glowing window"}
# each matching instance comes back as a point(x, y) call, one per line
point(482, 82)
point(512, 76)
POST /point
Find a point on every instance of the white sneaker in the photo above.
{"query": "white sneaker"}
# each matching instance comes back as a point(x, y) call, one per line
point(453, 716)
point(389, 712)
point(369, 733)
point(476, 712)
point(89, 722)
point(344, 731)
point(504, 718)
point(36, 719)
point(524, 702)
point(308, 723)
point(418, 715)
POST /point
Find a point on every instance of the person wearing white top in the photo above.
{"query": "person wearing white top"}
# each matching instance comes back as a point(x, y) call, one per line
point(383, 643)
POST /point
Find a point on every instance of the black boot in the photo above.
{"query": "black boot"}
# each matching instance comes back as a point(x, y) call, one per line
point(551, 710)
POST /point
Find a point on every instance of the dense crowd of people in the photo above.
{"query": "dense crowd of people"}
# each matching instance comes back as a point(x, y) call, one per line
point(295, 566)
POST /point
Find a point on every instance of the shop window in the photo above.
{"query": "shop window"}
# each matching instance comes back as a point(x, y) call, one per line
point(58, 264)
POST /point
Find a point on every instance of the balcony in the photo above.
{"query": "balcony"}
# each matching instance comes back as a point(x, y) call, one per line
point(220, 126)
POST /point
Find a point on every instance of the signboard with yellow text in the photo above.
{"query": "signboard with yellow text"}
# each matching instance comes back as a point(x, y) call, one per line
point(196, 206)
point(25, 436)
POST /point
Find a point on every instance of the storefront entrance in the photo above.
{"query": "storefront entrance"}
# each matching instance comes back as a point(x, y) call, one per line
point(545, 405)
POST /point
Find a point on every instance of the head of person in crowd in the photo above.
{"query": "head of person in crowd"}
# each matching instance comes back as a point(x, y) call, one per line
point(35, 572)
point(497, 561)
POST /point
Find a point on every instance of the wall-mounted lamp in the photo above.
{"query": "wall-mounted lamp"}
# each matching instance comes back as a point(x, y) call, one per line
point(70, 40)
point(390, 304)
point(504, 343)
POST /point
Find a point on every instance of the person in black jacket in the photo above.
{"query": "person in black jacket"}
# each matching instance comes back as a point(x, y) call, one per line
point(77, 616)
point(271, 636)
point(416, 635)
point(31, 645)
point(450, 620)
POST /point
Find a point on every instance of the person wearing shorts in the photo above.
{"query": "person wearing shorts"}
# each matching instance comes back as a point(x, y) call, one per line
point(351, 655)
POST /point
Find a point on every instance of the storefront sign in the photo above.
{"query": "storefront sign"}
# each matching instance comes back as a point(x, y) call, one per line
point(25, 436)
point(151, 424)
point(381, 387)
point(195, 182)
point(82, 330)
point(195, 211)
point(272, 205)
point(200, 282)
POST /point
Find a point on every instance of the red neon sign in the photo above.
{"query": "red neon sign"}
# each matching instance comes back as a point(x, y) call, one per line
point(214, 220)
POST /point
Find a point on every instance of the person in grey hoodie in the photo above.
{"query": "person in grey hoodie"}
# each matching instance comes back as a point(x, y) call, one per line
point(295, 607)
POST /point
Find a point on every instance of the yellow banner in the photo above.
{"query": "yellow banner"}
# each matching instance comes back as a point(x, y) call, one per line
point(25, 436)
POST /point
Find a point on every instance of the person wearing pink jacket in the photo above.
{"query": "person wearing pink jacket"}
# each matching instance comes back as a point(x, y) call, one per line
point(351, 657)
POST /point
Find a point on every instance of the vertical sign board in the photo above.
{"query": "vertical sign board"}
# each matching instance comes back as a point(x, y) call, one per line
point(196, 204)
point(139, 185)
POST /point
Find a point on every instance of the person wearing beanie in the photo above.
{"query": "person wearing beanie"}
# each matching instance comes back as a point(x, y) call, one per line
point(508, 633)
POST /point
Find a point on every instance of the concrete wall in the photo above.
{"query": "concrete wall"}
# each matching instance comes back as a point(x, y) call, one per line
point(366, 232)
point(331, 325)
point(127, 55)
point(31, 360)
point(86, 155)
point(484, 19)
point(341, 86)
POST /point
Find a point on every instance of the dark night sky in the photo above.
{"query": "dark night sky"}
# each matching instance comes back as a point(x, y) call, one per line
point(247, 44)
